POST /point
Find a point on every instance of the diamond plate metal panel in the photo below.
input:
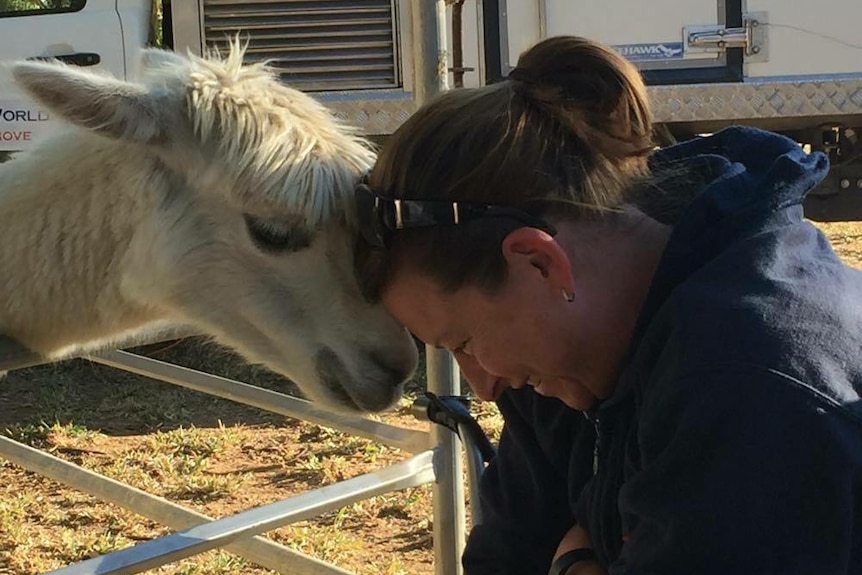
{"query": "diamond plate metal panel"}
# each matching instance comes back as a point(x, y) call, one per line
point(694, 104)
point(757, 100)
point(374, 117)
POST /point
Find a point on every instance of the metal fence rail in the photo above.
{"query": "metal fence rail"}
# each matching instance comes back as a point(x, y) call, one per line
point(409, 440)
point(257, 549)
point(437, 461)
point(410, 473)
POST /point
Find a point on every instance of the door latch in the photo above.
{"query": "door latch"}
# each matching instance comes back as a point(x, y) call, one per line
point(752, 37)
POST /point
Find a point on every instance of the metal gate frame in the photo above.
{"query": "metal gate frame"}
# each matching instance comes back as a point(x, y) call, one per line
point(437, 459)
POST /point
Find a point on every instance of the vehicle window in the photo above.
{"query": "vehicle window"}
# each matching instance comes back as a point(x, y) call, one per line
point(35, 7)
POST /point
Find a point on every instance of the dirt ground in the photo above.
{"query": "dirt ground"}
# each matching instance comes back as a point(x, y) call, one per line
point(208, 454)
point(212, 455)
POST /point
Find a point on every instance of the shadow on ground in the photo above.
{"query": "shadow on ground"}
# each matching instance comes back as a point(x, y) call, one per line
point(119, 403)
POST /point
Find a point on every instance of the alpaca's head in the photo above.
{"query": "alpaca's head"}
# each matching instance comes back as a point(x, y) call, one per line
point(253, 238)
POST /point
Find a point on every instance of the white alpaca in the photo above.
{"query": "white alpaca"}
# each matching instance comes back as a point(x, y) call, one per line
point(208, 194)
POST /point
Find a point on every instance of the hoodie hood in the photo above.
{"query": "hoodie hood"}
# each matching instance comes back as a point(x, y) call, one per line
point(750, 181)
point(741, 182)
point(751, 175)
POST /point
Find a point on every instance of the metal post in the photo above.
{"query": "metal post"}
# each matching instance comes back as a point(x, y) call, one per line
point(442, 47)
point(429, 50)
point(443, 375)
point(449, 514)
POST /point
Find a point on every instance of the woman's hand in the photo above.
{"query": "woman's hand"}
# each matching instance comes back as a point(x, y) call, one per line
point(578, 538)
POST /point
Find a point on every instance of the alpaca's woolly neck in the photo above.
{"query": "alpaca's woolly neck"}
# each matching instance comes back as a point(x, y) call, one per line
point(69, 212)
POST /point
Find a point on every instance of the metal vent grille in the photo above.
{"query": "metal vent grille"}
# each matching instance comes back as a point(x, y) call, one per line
point(315, 45)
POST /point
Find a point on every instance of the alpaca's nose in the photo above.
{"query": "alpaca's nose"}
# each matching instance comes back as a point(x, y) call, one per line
point(395, 368)
point(375, 384)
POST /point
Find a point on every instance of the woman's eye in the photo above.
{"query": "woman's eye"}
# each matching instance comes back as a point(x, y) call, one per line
point(274, 236)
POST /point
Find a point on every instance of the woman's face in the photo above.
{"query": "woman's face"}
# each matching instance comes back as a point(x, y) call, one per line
point(528, 331)
point(525, 333)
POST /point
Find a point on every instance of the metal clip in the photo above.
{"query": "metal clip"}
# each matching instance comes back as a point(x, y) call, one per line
point(751, 37)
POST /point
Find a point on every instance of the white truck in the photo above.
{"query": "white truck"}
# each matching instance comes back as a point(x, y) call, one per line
point(788, 65)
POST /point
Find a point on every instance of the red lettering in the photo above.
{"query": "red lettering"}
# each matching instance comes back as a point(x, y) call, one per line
point(19, 136)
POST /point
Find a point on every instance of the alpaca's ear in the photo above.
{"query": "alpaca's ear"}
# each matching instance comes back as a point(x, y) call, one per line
point(100, 103)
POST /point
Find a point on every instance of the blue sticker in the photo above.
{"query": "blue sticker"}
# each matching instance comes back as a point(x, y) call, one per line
point(657, 51)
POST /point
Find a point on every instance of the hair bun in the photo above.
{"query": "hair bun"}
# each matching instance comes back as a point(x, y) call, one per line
point(521, 76)
point(596, 93)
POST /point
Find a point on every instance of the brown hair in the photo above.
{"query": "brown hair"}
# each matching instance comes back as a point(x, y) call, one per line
point(566, 135)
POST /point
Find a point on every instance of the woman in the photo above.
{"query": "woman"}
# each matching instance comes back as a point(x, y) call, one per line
point(677, 298)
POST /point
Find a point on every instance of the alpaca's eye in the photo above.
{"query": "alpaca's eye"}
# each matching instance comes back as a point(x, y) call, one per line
point(276, 236)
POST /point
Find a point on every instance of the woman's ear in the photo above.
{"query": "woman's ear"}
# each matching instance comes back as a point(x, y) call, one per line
point(537, 249)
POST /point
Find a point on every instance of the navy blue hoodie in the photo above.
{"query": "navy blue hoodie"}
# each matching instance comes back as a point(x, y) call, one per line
point(733, 441)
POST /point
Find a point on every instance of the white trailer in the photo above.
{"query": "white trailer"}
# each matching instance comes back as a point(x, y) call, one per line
point(788, 65)
point(101, 33)
point(791, 66)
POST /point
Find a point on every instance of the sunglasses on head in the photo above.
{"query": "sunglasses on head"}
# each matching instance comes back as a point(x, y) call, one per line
point(379, 217)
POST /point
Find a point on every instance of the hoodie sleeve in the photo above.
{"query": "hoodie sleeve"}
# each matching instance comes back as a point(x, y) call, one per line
point(744, 471)
point(527, 492)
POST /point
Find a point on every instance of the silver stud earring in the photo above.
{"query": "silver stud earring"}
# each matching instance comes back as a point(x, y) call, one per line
point(569, 297)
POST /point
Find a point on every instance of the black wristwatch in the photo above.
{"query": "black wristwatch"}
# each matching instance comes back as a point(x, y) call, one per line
point(569, 558)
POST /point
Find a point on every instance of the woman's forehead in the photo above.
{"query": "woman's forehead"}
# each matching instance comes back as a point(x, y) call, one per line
point(430, 313)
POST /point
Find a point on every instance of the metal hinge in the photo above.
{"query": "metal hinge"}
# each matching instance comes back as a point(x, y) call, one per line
point(751, 36)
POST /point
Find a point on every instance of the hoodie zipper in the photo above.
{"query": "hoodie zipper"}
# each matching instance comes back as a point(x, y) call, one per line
point(593, 416)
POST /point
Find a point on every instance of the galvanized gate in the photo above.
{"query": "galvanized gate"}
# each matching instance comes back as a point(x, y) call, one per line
point(436, 459)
